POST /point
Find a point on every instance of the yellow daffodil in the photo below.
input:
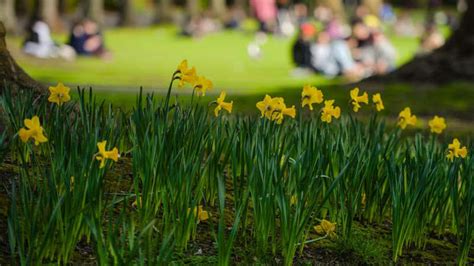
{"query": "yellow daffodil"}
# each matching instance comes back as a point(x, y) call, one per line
point(377, 100)
point(329, 111)
point(280, 110)
point(265, 106)
point(187, 75)
point(455, 150)
point(406, 118)
point(326, 228)
point(356, 99)
point(201, 85)
point(103, 155)
point(437, 124)
point(59, 94)
point(201, 214)
point(293, 200)
point(275, 109)
point(311, 95)
point(223, 105)
point(137, 201)
point(32, 130)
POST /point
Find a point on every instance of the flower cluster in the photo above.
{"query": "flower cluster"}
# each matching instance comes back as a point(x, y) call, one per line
point(33, 129)
point(326, 228)
point(275, 109)
point(189, 75)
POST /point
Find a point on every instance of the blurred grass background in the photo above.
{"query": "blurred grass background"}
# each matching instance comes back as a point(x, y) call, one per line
point(146, 57)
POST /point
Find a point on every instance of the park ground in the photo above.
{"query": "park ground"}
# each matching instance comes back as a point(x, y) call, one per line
point(145, 58)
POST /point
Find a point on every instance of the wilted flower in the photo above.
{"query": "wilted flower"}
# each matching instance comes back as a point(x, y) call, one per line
point(377, 99)
point(326, 228)
point(455, 150)
point(33, 130)
point(200, 213)
point(356, 99)
point(437, 124)
point(329, 111)
point(222, 105)
point(104, 155)
point(311, 95)
point(406, 118)
point(59, 94)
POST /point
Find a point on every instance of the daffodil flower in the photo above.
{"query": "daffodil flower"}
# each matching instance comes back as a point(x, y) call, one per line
point(202, 84)
point(222, 105)
point(377, 100)
point(455, 150)
point(311, 95)
point(329, 111)
point(275, 109)
point(437, 124)
point(103, 154)
point(32, 130)
point(186, 75)
point(406, 118)
point(265, 106)
point(137, 202)
point(200, 213)
point(59, 94)
point(293, 200)
point(326, 228)
point(356, 99)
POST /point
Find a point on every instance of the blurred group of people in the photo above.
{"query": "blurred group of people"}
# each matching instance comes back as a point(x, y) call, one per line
point(85, 39)
point(330, 47)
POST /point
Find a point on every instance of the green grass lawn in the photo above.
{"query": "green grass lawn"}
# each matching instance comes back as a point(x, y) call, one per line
point(147, 57)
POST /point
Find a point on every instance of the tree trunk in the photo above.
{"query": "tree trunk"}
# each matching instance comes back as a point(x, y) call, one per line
point(126, 12)
point(192, 7)
point(10, 73)
point(218, 8)
point(452, 62)
point(49, 12)
point(336, 6)
point(163, 11)
point(373, 6)
point(94, 9)
point(7, 14)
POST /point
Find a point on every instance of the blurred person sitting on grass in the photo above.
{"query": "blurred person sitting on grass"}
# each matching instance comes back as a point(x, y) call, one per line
point(266, 13)
point(370, 47)
point(39, 43)
point(87, 40)
point(200, 25)
point(431, 39)
point(317, 52)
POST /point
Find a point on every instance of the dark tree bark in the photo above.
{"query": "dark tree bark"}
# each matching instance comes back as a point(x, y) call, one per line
point(454, 61)
point(10, 73)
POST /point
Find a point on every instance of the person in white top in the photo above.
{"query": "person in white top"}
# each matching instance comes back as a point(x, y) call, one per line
point(39, 43)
